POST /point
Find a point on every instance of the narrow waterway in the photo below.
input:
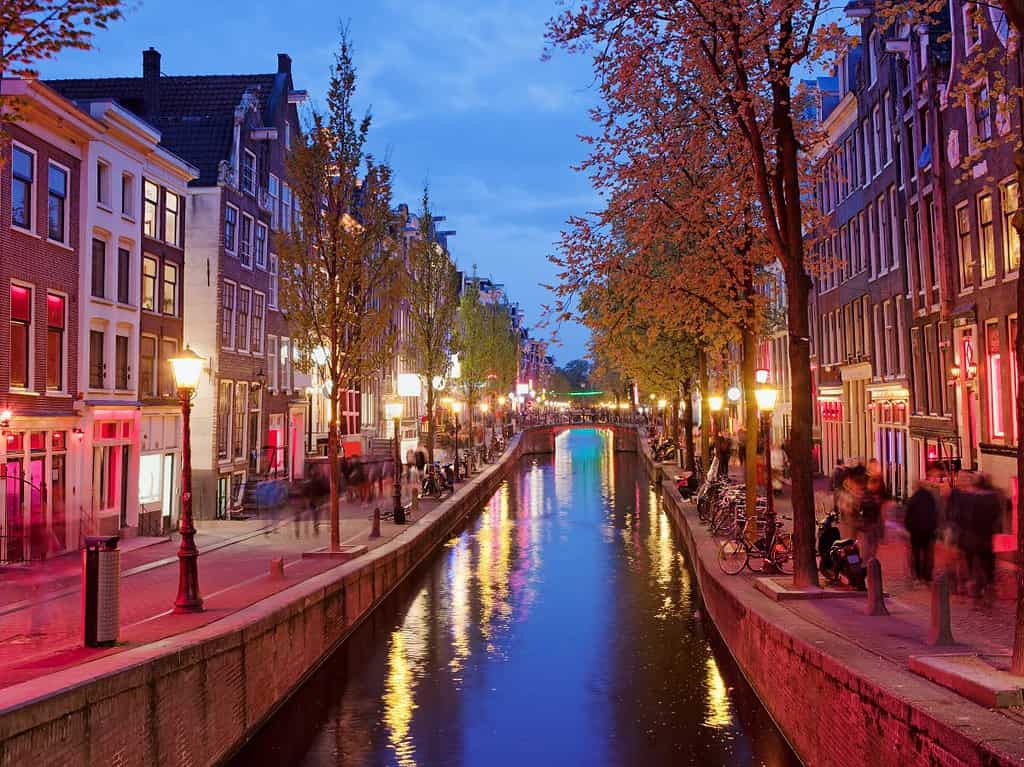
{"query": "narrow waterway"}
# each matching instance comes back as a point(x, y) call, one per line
point(560, 627)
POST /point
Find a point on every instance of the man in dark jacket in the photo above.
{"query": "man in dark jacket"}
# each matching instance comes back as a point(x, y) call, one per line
point(922, 522)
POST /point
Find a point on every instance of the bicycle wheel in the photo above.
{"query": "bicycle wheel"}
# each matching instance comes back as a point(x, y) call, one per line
point(732, 556)
point(782, 553)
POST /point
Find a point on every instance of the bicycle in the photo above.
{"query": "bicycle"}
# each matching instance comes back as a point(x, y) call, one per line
point(774, 548)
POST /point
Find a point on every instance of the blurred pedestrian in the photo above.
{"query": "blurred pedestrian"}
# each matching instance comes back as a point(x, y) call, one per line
point(986, 513)
point(922, 522)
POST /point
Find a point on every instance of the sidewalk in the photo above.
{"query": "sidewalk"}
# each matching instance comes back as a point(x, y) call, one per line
point(40, 604)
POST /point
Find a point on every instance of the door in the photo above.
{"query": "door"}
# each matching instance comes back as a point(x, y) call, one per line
point(13, 527)
point(58, 504)
point(124, 485)
point(167, 504)
point(39, 532)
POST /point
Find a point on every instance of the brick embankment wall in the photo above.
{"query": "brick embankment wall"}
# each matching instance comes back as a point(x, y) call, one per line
point(835, 704)
point(196, 697)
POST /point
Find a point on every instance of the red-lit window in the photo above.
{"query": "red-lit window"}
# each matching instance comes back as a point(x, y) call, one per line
point(21, 324)
point(995, 379)
point(58, 440)
point(55, 320)
point(37, 441)
point(1013, 376)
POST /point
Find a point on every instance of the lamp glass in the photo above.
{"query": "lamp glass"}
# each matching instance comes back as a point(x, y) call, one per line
point(715, 403)
point(484, 407)
point(187, 366)
point(662, 403)
point(393, 409)
point(408, 385)
point(761, 376)
point(501, 401)
point(456, 407)
point(766, 397)
point(733, 394)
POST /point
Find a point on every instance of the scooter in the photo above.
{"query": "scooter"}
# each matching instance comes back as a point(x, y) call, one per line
point(839, 558)
point(436, 481)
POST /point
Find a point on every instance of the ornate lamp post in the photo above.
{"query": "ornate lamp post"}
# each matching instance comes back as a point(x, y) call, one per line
point(766, 397)
point(457, 413)
point(715, 403)
point(187, 366)
point(393, 410)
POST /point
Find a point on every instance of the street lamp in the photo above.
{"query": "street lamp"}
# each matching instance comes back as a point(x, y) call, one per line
point(733, 393)
point(457, 412)
point(766, 396)
point(715, 403)
point(187, 367)
point(393, 410)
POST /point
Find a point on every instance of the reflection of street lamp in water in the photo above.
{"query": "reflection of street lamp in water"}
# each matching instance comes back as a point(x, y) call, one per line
point(187, 367)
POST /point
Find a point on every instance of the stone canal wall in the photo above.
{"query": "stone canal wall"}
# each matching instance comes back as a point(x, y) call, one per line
point(836, 704)
point(195, 698)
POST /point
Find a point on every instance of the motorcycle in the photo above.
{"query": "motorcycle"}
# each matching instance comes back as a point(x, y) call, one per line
point(839, 558)
point(663, 450)
point(437, 481)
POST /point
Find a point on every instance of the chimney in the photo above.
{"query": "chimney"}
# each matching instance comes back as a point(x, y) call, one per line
point(284, 64)
point(151, 82)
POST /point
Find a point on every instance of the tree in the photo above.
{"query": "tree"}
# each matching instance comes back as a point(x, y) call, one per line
point(433, 300)
point(32, 31)
point(734, 60)
point(341, 277)
point(578, 373)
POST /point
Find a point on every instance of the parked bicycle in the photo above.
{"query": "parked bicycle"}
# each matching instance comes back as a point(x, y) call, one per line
point(771, 552)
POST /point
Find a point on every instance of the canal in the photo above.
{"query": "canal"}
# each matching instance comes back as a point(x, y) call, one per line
point(562, 626)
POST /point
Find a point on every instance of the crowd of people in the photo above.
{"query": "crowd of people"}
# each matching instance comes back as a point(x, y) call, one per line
point(961, 509)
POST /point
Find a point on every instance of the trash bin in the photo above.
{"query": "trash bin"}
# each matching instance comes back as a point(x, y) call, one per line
point(101, 590)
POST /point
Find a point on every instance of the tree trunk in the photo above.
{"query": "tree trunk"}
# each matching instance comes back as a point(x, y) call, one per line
point(748, 370)
point(705, 412)
point(688, 423)
point(675, 421)
point(798, 288)
point(431, 428)
point(332, 466)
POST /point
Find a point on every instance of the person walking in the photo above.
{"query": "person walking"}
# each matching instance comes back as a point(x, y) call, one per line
point(922, 522)
point(986, 512)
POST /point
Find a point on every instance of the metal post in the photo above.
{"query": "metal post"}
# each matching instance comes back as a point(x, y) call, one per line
point(188, 599)
point(770, 489)
point(399, 509)
point(456, 447)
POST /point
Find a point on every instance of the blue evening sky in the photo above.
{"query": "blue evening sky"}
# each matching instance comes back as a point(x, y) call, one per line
point(459, 94)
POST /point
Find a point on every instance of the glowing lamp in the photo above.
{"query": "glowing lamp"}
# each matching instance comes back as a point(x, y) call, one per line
point(393, 409)
point(484, 407)
point(502, 400)
point(5, 419)
point(623, 406)
point(766, 397)
point(187, 368)
point(715, 403)
point(733, 394)
point(761, 376)
point(954, 372)
point(972, 371)
point(408, 385)
point(438, 382)
point(522, 389)
point(456, 407)
point(661, 404)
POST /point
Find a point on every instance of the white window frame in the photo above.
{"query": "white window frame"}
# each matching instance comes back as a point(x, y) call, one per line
point(274, 195)
point(260, 245)
point(67, 203)
point(33, 191)
point(272, 290)
point(31, 333)
point(176, 241)
point(1008, 231)
point(233, 286)
point(234, 247)
point(271, 354)
point(971, 41)
point(156, 365)
point(103, 191)
point(263, 323)
point(164, 264)
point(128, 196)
point(245, 247)
point(250, 187)
point(238, 315)
point(156, 214)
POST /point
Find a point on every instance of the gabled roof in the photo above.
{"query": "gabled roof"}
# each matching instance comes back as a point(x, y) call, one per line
point(197, 113)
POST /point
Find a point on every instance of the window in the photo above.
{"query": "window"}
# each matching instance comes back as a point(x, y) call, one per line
point(248, 172)
point(57, 203)
point(272, 362)
point(230, 225)
point(272, 294)
point(995, 378)
point(149, 269)
point(124, 271)
point(286, 207)
point(22, 178)
point(274, 193)
point(150, 209)
point(242, 324)
point(283, 355)
point(21, 336)
point(963, 249)
point(894, 229)
point(147, 366)
point(227, 329)
point(978, 110)
point(172, 208)
point(972, 26)
point(170, 289)
point(127, 194)
point(99, 268)
point(56, 318)
point(986, 238)
point(872, 57)
point(168, 348)
point(120, 362)
point(103, 183)
point(227, 389)
point(1011, 240)
point(1014, 383)
point(878, 138)
point(97, 367)
point(245, 242)
point(886, 112)
point(258, 301)
point(238, 420)
point(261, 246)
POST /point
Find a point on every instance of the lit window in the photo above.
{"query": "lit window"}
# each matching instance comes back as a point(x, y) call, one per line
point(170, 289)
point(995, 379)
point(150, 209)
point(986, 237)
point(149, 277)
point(55, 322)
point(171, 218)
point(21, 327)
point(963, 236)
point(1011, 240)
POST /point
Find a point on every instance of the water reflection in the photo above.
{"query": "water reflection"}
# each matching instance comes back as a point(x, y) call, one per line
point(560, 626)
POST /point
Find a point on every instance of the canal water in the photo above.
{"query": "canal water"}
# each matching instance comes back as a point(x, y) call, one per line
point(560, 627)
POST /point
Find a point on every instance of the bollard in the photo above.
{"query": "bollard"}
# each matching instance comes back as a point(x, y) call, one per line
point(375, 531)
point(277, 567)
point(414, 502)
point(939, 631)
point(876, 598)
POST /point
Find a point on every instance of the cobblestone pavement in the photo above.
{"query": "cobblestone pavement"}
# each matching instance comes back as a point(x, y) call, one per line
point(40, 603)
